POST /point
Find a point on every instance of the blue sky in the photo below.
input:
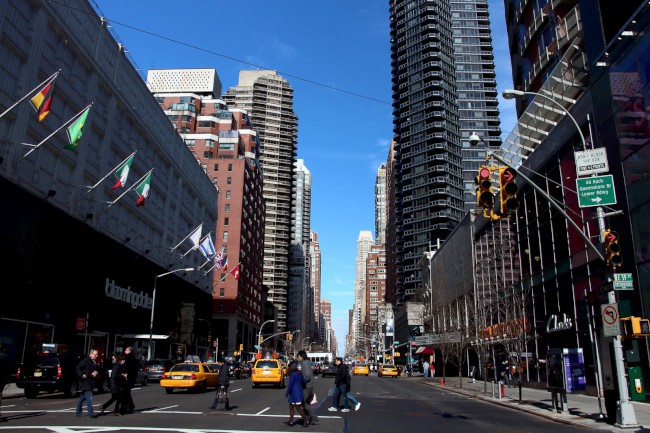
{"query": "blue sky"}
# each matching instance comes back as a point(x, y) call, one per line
point(336, 56)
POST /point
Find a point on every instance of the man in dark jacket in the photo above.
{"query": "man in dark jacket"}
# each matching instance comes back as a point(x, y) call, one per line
point(308, 391)
point(131, 368)
point(224, 383)
point(87, 371)
point(340, 386)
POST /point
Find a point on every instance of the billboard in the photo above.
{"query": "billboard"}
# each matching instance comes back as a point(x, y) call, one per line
point(390, 326)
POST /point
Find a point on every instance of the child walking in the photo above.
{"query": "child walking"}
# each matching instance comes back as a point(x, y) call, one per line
point(294, 394)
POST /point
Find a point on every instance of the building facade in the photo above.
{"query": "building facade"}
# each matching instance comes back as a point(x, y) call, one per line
point(90, 247)
point(268, 98)
point(381, 202)
point(478, 111)
point(315, 283)
point(301, 298)
point(428, 162)
point(225, 145)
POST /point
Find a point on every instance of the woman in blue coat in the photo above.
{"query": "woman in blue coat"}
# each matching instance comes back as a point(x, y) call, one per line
point(294, 393)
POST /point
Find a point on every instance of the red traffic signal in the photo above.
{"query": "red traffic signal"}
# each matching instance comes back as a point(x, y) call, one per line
point(484, 194)
point(508, 190)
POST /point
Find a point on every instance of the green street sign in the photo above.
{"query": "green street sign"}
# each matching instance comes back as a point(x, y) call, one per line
point(595, 191)
point(623, 282)
point(396, 343)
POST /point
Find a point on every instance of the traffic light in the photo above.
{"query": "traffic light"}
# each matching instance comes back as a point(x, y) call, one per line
point(241, 347)
point(484, 194)
point(635, 326)
point(612, 249)
point(508, 190)
point(261, 339)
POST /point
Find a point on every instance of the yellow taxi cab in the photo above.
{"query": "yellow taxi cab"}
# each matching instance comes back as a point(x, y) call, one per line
point(268, 371)
point(196, 376)
point(361, 369)
point(387, 370)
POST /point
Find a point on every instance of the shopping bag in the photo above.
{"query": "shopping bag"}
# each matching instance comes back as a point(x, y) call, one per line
point(223, 396)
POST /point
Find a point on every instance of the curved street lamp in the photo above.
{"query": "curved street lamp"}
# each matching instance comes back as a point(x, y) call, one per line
point(153, 306)
point(512, 94)
point(259, 336)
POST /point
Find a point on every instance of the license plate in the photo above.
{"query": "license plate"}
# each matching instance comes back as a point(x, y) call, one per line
point(266, 372)
point(177, 377)
point(38, 374)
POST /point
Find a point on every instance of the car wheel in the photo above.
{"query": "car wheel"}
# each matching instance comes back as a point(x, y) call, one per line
point(204, 386)
point(31, 392)
point(71, 390)
point(256, 385)
point(169, 390)
point(145, 382)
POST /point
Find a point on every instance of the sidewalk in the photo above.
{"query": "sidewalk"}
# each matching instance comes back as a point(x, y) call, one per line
point(582, 411)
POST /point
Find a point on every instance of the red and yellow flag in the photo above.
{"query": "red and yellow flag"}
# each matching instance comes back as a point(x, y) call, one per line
point(42, 101)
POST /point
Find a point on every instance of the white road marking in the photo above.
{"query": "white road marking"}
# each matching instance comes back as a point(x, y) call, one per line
point(262, 411)
point(85, 429)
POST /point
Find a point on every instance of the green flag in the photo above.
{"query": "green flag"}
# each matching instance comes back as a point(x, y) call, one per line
point(75, 131)
point(143, 190)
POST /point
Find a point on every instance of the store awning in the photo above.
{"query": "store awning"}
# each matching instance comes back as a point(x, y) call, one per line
point(146, 336)
point(422, 350)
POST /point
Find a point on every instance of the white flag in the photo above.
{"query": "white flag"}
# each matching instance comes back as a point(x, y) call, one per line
point(195, 237)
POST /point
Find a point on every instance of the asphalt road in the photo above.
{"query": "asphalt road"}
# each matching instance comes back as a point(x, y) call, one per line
point(388, 405)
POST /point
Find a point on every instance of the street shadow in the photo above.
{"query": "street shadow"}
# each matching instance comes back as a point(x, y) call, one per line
point(8, 418)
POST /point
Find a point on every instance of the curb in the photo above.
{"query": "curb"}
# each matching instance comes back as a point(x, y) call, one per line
point(512, 406)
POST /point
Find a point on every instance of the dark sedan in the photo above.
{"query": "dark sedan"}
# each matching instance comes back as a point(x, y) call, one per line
point(155, 368)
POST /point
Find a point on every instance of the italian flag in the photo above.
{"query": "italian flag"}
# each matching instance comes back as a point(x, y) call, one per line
point(122, 173)
point(143, 190)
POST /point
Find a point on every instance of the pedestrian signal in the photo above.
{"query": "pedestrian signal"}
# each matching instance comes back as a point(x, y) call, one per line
point(612, 249)
point(635, 326)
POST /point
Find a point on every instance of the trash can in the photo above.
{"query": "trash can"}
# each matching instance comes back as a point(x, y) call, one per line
point(635, 381)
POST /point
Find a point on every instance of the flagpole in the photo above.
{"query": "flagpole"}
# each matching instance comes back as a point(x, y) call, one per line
point(111, 172)
point(44, 83)
point(75, 117)
point(185, 238)
point(130, 188)
point(194, 247)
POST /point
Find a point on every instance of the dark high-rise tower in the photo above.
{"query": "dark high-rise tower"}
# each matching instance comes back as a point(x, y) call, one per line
point(428, 164)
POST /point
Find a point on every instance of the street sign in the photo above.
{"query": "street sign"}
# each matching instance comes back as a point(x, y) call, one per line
point(596, 191)
point(623, 282)
point(591, 161)
point(611, 327)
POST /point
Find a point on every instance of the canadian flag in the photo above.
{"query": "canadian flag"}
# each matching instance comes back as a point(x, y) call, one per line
point(235, 272)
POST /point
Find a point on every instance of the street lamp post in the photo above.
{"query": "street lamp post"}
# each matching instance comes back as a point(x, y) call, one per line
point(625, 416)
point(209, 335)
point(259, 336)
point(153, 306)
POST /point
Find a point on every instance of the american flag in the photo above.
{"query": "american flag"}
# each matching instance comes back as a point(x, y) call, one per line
point(217, 259)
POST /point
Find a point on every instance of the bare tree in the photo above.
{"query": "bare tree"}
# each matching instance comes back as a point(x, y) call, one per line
point(459, 343)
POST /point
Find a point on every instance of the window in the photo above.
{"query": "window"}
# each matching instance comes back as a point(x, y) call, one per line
point(222, 292)
point(221, 306)
point(228, 194)
point(208, 154)
point(229, 167)
point(226, 220)
point(225, 236)
point(229, 181)
point(227, 208)
point(216, 167)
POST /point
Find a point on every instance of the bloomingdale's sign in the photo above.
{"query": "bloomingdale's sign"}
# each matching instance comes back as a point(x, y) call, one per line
point(118, 293)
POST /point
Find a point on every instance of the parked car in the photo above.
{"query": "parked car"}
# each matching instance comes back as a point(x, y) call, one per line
point(268, 371)
point(189, 375)
point(156, 367)
point(328, 369)
point(55, 372)
point(141, 379)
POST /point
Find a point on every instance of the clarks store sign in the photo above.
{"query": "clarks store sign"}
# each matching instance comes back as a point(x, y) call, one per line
point(118, 293)
point(557, 323)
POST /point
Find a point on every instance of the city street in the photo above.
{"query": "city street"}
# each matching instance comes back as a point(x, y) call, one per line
point(387, 405)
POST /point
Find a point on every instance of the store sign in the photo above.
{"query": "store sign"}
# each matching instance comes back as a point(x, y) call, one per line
point(122, 294)
point(557, 324)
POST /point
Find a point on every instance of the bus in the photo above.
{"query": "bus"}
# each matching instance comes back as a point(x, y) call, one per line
point(321, 357)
